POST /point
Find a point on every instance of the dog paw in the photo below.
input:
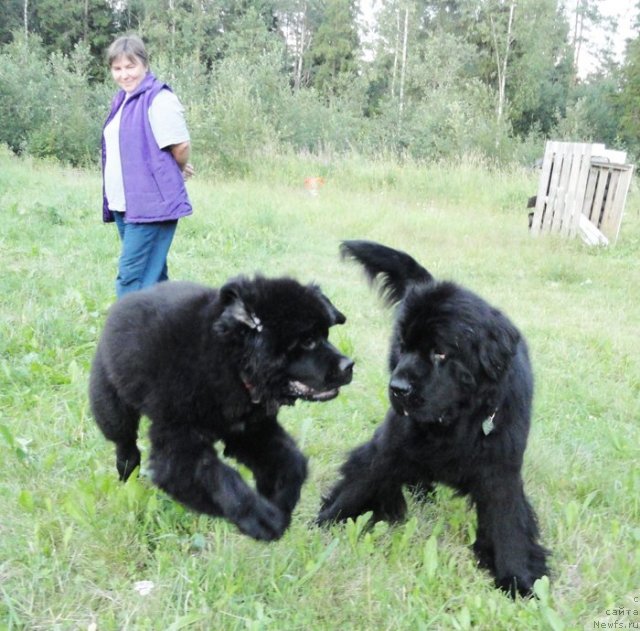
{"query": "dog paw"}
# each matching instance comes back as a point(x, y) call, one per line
point(263, 521)
point(126, 462)
point(391, 508)
point(324, 518)
point(516, 585)
point(333, 512)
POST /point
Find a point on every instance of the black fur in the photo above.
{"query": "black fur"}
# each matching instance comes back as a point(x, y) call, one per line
point(207, 365)
point(460, 390)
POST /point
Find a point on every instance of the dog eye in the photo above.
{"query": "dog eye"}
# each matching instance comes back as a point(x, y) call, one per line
point(309, 344)
point(438, 358)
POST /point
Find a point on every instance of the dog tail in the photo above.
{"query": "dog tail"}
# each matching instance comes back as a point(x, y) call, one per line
point(397, 270)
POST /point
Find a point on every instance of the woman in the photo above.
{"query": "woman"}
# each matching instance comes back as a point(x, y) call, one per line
point(145, 152)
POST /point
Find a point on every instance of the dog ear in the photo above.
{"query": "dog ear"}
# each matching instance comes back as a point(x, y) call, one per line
point(335, 316)
point(498, 346)
point(236, 302)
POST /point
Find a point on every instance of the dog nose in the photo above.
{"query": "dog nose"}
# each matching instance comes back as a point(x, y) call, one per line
point(346, 365)
point(400, 388)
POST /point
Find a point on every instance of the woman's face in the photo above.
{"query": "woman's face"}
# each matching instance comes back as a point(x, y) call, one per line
point(128, 72)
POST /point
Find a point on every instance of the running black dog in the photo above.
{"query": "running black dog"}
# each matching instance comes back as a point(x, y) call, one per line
point(461, 388)
point(207, 365)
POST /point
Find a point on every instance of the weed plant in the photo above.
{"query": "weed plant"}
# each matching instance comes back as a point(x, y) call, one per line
point(79, 550)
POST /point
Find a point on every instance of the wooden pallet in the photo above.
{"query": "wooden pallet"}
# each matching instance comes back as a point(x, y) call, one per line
point(577, 179)
point(606, 196)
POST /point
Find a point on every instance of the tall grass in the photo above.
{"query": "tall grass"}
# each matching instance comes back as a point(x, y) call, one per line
point(75, 544)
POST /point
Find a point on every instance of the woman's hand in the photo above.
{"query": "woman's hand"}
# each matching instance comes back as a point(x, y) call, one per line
point(188, 171)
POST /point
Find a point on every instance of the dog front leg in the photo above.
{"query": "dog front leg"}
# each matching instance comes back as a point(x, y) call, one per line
point(369, 483)
point(187, 467)
point(279, 467)
point(507, 540)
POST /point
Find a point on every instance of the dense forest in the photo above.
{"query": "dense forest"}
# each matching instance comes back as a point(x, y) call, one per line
point(418, 79)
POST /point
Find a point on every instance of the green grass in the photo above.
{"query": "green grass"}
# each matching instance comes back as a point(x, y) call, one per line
point(74, 542)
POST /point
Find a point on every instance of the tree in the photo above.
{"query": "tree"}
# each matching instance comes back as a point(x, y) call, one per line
point(397, 33)
point(332, 54)
point(22, 102)
point(629, 97)
point(167, 26)
point(12, 18)
point(62, 25)
point(593, 111)
point(502, 39)
point(586, 17)
point(299, 21)
point(541, 67)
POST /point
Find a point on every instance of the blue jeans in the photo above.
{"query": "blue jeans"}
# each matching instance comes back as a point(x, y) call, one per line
point(143, 260)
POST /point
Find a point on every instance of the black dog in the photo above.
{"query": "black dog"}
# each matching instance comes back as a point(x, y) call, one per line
point(207, 365)
point(460, 390)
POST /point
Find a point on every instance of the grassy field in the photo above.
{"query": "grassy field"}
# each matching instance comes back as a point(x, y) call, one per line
point(76, 545)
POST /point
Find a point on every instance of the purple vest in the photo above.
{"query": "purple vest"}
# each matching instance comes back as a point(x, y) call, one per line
point(154, 188)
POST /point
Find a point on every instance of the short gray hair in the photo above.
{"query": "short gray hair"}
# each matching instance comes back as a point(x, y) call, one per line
point(130, 46)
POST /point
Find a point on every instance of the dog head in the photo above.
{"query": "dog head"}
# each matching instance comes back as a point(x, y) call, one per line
point(450, 352)
point(283, 327)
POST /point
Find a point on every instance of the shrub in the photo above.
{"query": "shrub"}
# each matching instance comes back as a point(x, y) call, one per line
point(71, 127)
point(24, 89)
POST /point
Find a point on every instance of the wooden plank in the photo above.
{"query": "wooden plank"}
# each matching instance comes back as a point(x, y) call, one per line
point(587, 206)
point(589, 233)
point(607, 220)
point(612, 208)
point(616, 201)
point(556, 189)
point(543, 188)
point(568, 186)
point(554, 197)
point(615, 157)
point(577, 188)
point(567, 198)
point(625, 184)
point(598, 198)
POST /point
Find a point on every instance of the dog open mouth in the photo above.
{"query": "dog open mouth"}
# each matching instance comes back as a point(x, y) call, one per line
point(420, 414)
point(307, 393)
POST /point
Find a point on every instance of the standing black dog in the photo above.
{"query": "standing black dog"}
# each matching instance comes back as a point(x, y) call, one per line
point(460, 390)
point(207, 365)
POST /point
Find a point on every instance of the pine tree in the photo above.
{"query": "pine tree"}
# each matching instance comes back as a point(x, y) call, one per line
point(333, 51)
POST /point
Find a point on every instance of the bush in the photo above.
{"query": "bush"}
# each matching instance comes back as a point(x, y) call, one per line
point(243, 107)
point(72, 125)
point(232, 126)
point(54, 112)
point(24, 90)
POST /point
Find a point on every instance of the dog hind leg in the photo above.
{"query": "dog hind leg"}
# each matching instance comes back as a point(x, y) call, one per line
point(117, 420)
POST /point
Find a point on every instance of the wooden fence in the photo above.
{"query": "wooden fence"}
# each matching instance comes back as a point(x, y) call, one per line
point(581, 184)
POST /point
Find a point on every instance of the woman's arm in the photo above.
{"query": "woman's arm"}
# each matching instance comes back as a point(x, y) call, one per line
point(180, 153)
